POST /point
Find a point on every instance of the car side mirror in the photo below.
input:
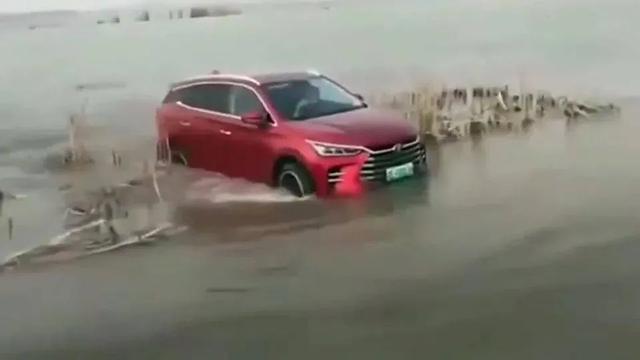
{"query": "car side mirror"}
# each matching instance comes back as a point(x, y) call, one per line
point(256, 118)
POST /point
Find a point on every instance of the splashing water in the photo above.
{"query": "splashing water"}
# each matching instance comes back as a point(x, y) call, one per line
point(219, 189)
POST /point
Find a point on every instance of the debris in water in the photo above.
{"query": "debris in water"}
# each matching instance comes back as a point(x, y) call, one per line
point(10, 223)
point(156, 187)
point(134, 182)
point(77, 211)
point(143, 17)
point(101, 85)
point(116, 158)
point(453, 114)
point(65, 187)
point(228, 290)
point(8, 196)
point(76, 153)
point(200, 12)
point(278, 270)
point(145, 238)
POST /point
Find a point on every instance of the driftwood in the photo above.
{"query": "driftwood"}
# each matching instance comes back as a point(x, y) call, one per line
point(143, 17)
point(451, 114)
point(200, 12)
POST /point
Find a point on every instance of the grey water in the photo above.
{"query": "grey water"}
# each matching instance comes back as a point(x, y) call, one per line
point(522, 246)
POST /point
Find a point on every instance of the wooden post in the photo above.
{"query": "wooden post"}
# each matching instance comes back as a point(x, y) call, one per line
point(72, 139)
point(116, 158)
point(426, 123)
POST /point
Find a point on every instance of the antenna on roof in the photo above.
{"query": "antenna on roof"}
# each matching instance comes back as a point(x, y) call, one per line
point(215, 72)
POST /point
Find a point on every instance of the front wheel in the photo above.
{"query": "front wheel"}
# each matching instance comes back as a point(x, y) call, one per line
point(294, 178)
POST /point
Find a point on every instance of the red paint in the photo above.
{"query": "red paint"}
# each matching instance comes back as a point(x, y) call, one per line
point(228, 145)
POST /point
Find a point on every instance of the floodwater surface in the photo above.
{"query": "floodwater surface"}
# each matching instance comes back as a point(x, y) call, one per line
point(523, 246)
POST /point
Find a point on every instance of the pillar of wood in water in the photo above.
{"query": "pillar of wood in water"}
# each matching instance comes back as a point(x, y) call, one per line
point(10, 223)
point(426, 123)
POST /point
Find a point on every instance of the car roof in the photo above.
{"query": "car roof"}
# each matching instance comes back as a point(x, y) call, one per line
point(260, 79)
point(282, 77)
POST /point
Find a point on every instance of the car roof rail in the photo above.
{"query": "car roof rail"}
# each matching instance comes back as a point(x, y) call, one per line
point(215, 74)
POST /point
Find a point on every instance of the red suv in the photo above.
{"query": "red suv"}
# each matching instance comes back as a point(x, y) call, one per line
point(300, 131)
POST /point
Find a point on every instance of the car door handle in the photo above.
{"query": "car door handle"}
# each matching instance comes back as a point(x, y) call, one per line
point(185, 123)
point(225, 132)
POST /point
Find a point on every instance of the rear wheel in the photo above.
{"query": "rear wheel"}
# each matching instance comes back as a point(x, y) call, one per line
point(165, 154)
point(179, 158)
point(294, 178)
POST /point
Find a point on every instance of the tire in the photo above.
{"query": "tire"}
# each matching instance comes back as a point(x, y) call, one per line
point(177, 157)
point(294, 178)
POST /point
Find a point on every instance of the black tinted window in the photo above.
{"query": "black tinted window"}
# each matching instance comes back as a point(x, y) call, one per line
point(212, 97)
point(244, 101)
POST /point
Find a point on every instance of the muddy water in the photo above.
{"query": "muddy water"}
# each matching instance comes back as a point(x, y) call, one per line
point(521, 247)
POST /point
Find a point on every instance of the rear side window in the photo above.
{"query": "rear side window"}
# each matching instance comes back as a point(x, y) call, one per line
point(244, 101)
point(173, 96)
point(213, 97)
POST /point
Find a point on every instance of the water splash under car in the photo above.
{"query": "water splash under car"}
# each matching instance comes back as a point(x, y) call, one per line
point(300, 131)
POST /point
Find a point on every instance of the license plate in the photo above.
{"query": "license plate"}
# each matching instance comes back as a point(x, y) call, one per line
point(399, 172)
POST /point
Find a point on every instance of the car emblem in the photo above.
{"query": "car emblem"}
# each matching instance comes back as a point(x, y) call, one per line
point(397, 147)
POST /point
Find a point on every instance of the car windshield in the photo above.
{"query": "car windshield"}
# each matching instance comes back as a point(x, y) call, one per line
point(311, 98)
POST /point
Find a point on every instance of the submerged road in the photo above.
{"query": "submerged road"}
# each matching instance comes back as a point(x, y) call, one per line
point(519, 247)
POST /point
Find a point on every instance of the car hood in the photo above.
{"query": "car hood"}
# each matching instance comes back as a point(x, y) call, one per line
point(371, 128)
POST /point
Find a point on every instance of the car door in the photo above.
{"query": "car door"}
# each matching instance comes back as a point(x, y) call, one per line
point(173, 122)
point(206, 104)
point(251, 155)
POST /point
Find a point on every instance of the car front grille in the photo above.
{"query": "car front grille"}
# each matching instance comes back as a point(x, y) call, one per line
point(375, 168)
point(335, 175)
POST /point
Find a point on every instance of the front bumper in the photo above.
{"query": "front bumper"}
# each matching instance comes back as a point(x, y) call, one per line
point(354, 175)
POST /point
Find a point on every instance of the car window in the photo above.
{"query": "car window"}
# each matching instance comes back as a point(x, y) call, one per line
point(213, 97)
point(243, 101)
point(311, 98)
point(328, 91)
point(173, 96)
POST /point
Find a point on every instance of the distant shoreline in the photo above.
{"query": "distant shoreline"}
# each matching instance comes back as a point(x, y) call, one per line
point(60, 18)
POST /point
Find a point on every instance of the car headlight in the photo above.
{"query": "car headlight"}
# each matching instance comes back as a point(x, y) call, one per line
point(334, 150)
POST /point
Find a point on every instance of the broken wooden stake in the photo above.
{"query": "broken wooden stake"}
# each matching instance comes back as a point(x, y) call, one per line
point(156, 187)
point(116, 158)
point(10, 223)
